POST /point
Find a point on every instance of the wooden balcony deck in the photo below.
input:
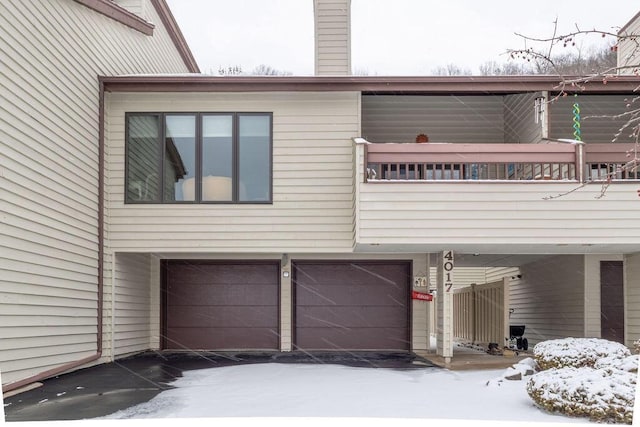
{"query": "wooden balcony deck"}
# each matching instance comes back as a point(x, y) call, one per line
point(566, 161)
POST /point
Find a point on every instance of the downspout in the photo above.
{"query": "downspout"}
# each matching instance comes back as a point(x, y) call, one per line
point(72, 365)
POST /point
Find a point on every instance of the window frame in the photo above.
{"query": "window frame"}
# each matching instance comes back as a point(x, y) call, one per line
point(235, 149)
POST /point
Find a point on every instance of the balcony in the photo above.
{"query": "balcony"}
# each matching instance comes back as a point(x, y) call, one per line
point(556, 197)
point(565, 161)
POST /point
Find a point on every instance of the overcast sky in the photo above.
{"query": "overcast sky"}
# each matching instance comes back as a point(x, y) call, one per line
point(389, 37)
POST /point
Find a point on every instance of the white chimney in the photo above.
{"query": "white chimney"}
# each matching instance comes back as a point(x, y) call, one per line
point(332, 22)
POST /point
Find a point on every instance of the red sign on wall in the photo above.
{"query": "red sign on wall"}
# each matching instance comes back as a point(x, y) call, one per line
point(422, 296)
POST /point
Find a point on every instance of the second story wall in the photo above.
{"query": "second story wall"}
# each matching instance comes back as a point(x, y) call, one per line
point(313, 199)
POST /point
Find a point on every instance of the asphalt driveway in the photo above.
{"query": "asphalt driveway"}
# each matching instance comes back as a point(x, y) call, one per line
point(104, 389)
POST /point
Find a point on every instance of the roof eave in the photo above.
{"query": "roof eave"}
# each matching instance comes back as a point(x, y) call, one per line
point(374, 84)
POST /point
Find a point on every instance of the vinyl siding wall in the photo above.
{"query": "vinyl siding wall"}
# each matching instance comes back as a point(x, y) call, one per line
point(313, 199)
point(455, 119)
point(549, 298)
point(498, 273)
point(332, 37)
point(52, 53)
point(519, 119)
point(628, 53)
point(632, 298)
point(132, 303)
point(593, 128)
point(464, 276)
point(499, 214)
point(138, 7)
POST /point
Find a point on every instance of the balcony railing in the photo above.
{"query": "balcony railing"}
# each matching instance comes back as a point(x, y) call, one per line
point(612, 161)
point(561, 161)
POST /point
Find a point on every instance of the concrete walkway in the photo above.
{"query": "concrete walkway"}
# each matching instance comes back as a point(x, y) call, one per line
point(467, 361)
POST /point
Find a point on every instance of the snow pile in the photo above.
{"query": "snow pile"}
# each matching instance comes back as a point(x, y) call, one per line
point(524, 368)
point(605, 394)
point(586, 377)
point(636, 345)
point(576, 352)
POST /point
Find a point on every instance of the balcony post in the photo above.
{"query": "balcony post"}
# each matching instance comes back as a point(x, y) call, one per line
point(580, 165)
point(361, 151)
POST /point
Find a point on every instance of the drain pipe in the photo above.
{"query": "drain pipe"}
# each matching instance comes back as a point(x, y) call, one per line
point(75, 364)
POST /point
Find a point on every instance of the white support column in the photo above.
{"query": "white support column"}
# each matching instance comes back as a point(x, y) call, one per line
point(444, 331)
point(430, 305)
point(286, 342)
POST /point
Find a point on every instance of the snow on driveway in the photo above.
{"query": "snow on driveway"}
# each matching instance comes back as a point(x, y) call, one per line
point(302, 390)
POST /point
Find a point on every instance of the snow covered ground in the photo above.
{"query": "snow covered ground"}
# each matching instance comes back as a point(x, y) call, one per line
point(301, 390)
point(272, 391)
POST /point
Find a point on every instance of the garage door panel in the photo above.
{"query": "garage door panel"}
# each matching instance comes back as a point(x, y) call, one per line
point(356, 273)
point(353, 317)
point(236, 316)
point(223, 338)
point(214, 305)
point(358, 305)
point(348, 294)
point(198, 273)
point(350, 339)
point(221, 295)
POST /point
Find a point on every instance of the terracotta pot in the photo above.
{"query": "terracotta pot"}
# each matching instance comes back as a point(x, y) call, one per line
point(422, 138)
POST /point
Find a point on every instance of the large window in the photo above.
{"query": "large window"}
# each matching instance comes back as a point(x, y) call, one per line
point(198, 157)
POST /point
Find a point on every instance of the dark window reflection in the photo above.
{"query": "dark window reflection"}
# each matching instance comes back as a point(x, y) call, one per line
point(180, 158)
point(143, 157)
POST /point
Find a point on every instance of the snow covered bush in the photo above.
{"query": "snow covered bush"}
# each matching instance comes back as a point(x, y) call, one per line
point(604, 394)
point(636, 345)
point(576, 352)
point(588, 377)
point(629, 363)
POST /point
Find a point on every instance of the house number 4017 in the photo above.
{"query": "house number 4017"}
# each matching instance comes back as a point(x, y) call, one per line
point(448, 268)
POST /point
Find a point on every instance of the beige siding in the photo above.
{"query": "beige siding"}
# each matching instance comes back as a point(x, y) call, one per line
point(154, 310)
point(628, 52)
point(461, 119)
point(313, 198)
point(592, 326)
point(137, 7)
point(497, 273)
point(549, 298)
point(53, 52)
point(500, 214)
point(519, 119)
point(597, 124)
point(464, 276)
point(632, 298)
point(332, 20)
point(132, 303)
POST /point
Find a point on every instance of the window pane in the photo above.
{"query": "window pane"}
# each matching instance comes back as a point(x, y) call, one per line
point(217, 158)
point(254, 157)
point(180, 158)
point(143, 159)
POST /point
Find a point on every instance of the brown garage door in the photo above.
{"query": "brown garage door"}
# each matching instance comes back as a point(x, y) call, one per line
point(351, 305)
point(221, 305)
